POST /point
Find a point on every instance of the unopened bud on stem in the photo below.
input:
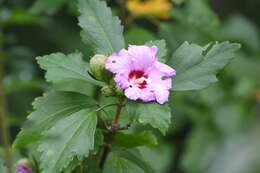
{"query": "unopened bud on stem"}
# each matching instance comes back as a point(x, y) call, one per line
point(97, 68)
point(112, 90)
point(108, 91)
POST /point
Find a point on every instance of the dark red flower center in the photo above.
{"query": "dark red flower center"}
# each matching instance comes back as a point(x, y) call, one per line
point(138, 78)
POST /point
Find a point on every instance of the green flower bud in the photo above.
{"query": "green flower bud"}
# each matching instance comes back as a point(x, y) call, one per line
point(119, 91)
point(97, 68)
point(108, 91)
point(24, 162)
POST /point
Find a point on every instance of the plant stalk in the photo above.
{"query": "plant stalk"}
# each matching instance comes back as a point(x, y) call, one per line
point(3, 117)
point(4, 126)
point(120, 105)
point(114, 127)
point(122, 11)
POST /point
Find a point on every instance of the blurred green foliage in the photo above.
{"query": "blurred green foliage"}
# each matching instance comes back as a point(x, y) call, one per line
point(212, 130)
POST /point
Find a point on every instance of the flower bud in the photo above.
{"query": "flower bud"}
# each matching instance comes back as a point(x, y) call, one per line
point(108, 91)
point(97, 67)
point(119, 91)
point(24, 162)
point(23, 169)
point(23, 166)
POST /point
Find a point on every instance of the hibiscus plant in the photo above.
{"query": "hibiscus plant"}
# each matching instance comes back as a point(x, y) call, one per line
point(72, 130)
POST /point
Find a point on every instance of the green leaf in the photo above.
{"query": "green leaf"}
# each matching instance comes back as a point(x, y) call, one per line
point(135, 157)
point(63, 69)
point(239, 28)
point(138, 35)
point(162, 51)
point(100, 30)
point(127, 161)
point(73, 165)
point(15, 85)
point(203, 144)
point(120, 165)
point(164, 151)
point(158, 116)
point(145, 138)
point(178, 1)
point(99, 140)
point(92, 164)
point(197, 66)
point(71, 137)
point(78, 86)
point(176, 33)
point(23, 17)
point(2, 169)
point(198, 15)
point(47, 6)
point(47, 111)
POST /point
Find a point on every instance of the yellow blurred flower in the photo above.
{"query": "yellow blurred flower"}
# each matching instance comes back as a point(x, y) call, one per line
point(154, 8)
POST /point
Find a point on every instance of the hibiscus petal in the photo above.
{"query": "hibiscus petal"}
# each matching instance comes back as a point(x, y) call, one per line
point(122, 80)
point(165, 69)
point(161, 94)
point(118, 62)
point(147, 95)
point(142, 57)
point(159, 78)
point(140, 74)
point(133, 93)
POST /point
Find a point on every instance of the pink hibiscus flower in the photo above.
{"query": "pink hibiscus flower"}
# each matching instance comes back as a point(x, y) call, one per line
point(140, 74)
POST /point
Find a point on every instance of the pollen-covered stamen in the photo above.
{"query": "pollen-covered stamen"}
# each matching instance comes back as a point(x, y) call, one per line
point(139, 79)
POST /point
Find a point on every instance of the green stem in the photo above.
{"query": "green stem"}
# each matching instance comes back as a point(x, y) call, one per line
point(4, 125)
point(3, 119)
point(102, 108)
point(114, 127)
point(122, 11)
point(120, 105)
